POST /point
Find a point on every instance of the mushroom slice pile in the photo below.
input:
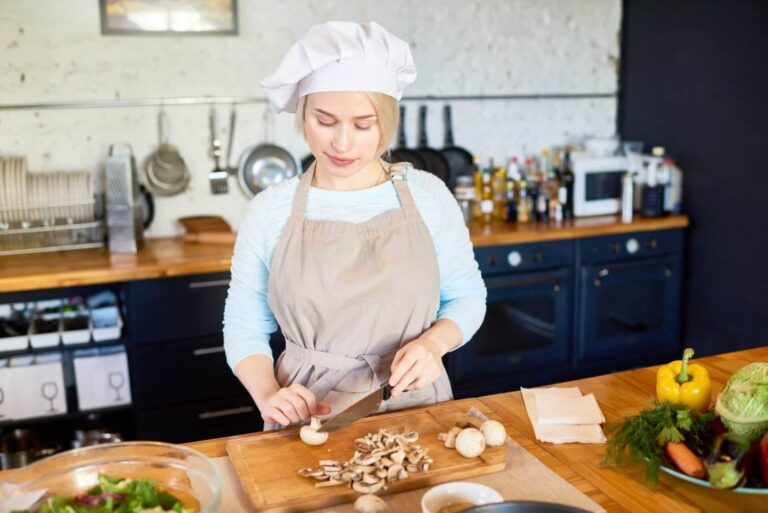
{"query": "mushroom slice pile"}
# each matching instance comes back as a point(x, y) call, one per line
point(380, 459)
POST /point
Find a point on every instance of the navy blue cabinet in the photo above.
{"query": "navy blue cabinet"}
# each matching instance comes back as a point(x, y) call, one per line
point(178, 365)
point(628, 305)
point(525, 338)
point(566, 309)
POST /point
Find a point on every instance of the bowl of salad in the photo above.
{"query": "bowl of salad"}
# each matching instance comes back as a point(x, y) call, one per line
point(127, 477)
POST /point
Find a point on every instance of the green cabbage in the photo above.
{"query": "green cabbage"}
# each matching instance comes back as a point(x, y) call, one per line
point(743, 403)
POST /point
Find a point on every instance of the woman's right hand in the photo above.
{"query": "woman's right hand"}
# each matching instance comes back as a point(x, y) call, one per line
point(290, 405)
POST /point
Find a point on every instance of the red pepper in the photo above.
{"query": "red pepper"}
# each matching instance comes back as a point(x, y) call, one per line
point(763, 451)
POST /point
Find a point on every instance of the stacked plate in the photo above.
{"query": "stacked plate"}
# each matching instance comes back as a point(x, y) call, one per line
point(13, 189)
point(42, 199)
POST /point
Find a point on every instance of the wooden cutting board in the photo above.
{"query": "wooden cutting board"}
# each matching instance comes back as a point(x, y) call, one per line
point(267, 463)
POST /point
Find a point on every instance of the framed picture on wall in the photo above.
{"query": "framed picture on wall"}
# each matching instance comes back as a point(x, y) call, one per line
point(168, 17)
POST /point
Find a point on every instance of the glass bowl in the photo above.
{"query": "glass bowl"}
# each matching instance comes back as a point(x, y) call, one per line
point(183, 472)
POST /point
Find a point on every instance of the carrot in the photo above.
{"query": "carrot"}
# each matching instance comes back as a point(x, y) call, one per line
point(685, 460)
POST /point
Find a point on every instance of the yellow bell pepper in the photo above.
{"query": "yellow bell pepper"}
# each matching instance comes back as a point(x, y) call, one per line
point(682, 383)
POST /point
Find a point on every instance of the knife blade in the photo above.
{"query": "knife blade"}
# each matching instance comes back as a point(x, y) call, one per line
point(360, 409)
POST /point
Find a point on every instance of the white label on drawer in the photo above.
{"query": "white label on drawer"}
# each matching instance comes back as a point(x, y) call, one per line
point(102, 381)
point(35, 390)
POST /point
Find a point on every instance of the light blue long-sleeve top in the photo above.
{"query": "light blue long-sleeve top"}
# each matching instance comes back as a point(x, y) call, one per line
point(248, 320)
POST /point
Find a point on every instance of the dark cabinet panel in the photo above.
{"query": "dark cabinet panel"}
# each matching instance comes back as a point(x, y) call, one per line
point(629, 310)
point(177, 308)
point(198, 421)
point(182, 372)
point(628, 300)
point(526, 332)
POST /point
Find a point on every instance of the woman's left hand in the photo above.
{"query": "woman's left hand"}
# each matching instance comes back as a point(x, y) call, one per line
point(416, 365)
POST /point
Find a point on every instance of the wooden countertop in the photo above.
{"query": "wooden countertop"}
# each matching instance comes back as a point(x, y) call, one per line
point(617, 489)
point(164, 257)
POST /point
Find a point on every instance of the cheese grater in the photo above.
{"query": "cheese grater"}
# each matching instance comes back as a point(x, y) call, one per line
point(124, 217)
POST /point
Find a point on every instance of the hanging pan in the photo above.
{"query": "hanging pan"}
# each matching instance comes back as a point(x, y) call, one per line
point(165, 172)
point(402, 153)
point(436, 162)
point(460, 161)
point(265, 164)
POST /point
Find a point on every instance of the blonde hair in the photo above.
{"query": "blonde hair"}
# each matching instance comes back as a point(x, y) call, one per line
point(387, 114)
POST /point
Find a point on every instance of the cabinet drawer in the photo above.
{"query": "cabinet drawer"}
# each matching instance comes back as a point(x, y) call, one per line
point(628, 310)
point(199, 422)
point(630, 246)
point(185, 371)
point(175, 308)
point(495, 260)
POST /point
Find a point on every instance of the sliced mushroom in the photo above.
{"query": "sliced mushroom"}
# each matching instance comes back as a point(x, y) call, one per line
point(332, 482)
point(450, 439)
point(415, 456)
point(367, 488)
point(379, 458)
point(398, 457)
point(393, 474)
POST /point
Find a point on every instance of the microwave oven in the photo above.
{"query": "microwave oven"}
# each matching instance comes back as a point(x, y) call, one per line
point(597, 184)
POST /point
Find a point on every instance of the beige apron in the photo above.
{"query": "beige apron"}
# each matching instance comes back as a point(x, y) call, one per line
point(348, 295)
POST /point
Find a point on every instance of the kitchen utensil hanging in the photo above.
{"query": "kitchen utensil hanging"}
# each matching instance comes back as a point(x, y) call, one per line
point(218, 177)
point(460, 161)
point(165, 172)
point(265, 164)
point(436, 162)
point(402, 153)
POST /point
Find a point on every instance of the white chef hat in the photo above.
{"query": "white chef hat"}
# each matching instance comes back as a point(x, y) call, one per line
point(341, 56)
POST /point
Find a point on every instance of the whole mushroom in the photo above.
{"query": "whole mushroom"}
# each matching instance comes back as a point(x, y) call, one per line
point(470, 443)
point(370, 504)
point(310, 433)
point(494, 433)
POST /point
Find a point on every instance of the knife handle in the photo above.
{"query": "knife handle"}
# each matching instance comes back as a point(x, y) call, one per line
point(387, 392)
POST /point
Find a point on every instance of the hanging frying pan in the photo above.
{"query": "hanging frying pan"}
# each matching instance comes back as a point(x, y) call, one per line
point(402, 153)
point(460, 161)
point(436, 162)
point(262, 165)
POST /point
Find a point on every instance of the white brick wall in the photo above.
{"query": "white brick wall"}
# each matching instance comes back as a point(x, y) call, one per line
point(461, 48)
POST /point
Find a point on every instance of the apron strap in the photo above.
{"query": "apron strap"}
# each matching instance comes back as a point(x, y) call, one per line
point(302, 191)
point(339, 366)
point(398, 175)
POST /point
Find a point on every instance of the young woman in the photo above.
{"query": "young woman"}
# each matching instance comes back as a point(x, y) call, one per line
point(366, 266)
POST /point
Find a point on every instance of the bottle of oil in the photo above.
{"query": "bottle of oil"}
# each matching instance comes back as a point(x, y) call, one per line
point(486, 197)
point(524, 204)
point(499, 185)
point(566, 186)
point(476, 210)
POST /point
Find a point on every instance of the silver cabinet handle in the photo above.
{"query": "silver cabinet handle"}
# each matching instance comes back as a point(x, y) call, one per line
point(225, 413)
point(211, 283)
point(208, 350)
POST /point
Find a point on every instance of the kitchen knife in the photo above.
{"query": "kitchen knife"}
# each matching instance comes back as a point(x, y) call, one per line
point(360, 409)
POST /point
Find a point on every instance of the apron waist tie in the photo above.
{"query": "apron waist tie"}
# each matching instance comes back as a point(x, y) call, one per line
point(339, 365)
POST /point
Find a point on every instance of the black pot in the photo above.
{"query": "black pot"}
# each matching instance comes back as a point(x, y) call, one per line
point(524, 507)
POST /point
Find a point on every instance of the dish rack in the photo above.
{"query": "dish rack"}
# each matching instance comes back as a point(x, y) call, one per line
point(42, 212)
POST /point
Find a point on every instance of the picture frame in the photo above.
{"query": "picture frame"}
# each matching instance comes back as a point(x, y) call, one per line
point(168, 17)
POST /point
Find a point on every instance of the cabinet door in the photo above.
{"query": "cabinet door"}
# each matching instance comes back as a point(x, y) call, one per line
point(199, 421)
point(526, 328)
point(628, 311)
point(179, 372)
point(177, 308)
